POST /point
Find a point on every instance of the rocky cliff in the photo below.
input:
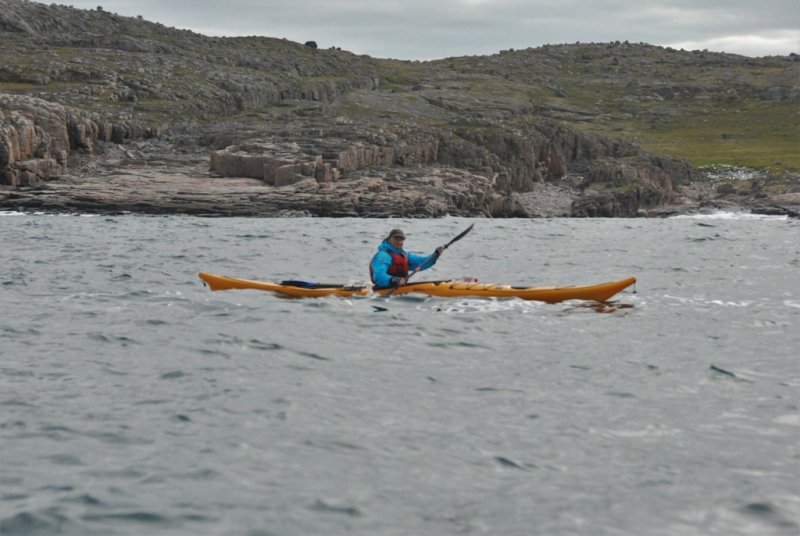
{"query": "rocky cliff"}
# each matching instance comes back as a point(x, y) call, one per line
point(89, 99)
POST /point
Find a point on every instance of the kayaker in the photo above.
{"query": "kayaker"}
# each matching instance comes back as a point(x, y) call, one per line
point(391, 264)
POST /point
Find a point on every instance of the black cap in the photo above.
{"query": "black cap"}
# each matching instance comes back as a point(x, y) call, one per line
point(396, 232)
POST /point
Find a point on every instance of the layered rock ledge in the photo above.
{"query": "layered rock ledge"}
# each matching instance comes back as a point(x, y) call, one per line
point(55, 158)
point(153, 177)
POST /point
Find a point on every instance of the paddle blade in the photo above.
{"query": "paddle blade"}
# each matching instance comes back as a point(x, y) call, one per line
point(460, 236)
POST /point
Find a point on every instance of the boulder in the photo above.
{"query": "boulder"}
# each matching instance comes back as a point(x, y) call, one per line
point(230, 163)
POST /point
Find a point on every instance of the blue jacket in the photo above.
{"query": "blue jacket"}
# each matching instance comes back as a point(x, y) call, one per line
point(382, 260)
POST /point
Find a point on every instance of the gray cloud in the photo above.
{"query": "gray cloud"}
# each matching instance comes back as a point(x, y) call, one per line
point(429, 29)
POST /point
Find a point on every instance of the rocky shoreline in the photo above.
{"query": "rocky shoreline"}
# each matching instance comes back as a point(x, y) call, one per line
point(107, 114)
point(60, 159)
point(153, 178)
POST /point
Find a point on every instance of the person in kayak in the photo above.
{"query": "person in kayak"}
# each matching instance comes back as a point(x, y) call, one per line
point(391, 264)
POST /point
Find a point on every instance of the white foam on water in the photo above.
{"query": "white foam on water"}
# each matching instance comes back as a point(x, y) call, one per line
point(480, 305)
point(722, 215)
point(790, 419)
point(55, 214)
point(647, 431)
point(704, 301)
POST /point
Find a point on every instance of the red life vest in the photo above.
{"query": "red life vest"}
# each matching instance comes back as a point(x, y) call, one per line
point(398, 268)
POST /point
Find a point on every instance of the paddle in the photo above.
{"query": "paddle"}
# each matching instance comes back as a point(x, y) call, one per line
point(435, 255)
point(456, 239)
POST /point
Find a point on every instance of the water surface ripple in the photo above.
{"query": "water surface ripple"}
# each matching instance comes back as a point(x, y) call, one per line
point(134, 401)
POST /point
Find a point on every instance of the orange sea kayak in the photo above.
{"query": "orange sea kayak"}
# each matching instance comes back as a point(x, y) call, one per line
point(442, 289)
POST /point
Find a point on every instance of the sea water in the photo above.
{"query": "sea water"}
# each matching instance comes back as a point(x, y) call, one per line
point(135, 401)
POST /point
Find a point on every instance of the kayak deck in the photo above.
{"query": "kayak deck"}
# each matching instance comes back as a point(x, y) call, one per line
point(444, 289)
point(221, 282)
point(450, 289)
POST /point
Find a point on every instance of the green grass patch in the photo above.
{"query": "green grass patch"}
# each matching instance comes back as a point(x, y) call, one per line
point(19, 86)
point(401, 75)
point(757, 135)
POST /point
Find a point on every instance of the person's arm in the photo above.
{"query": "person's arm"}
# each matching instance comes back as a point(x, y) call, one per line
point(380, 269)
point(426, 261)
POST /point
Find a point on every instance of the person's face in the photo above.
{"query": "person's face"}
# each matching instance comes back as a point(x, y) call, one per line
point(397, 241)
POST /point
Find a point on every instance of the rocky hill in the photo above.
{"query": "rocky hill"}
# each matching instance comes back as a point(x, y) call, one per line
point(100, 112)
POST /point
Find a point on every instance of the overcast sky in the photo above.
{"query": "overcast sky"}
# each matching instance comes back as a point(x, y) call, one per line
point(434, 29)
